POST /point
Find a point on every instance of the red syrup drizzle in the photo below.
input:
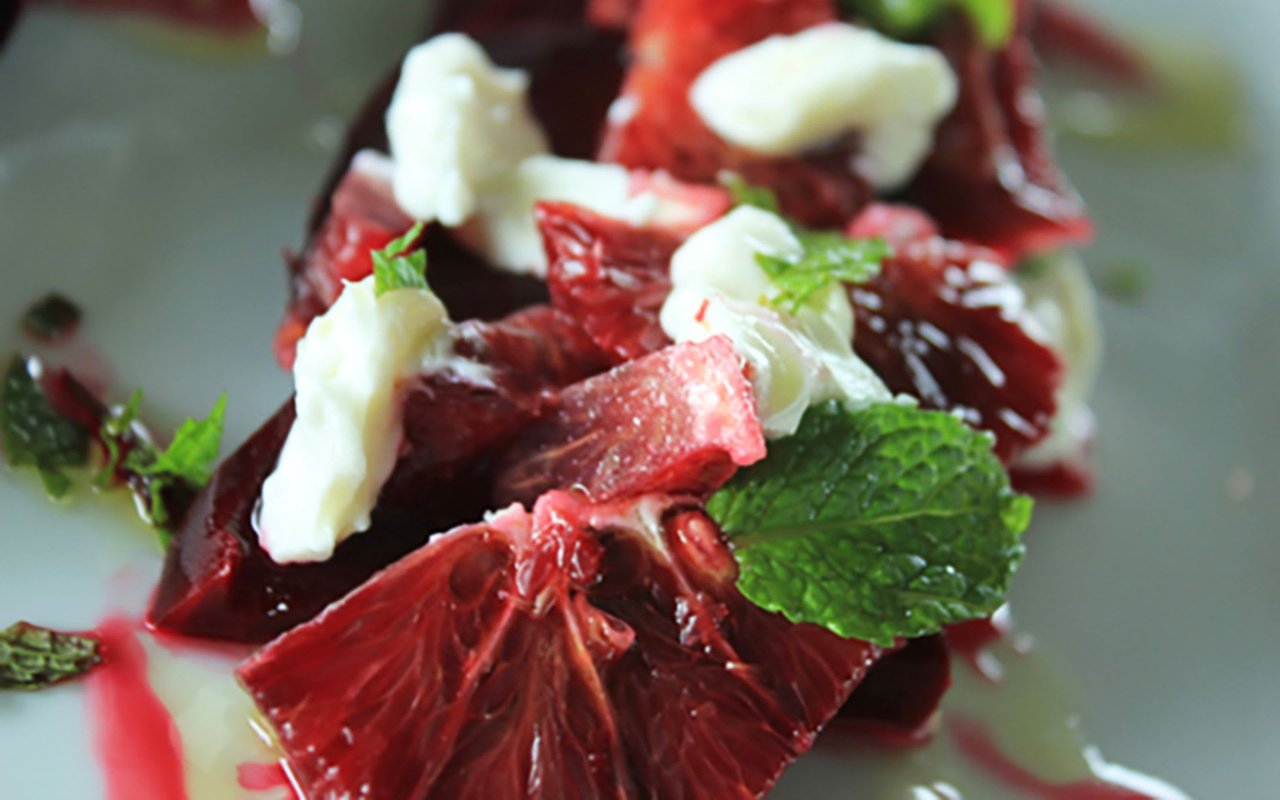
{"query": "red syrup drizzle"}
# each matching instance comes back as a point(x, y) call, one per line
point(137, 742)
point(976, 744)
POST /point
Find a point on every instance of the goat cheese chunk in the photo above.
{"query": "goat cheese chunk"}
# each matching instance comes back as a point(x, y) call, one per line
point(826, 82)
point(794, 360)
point(347, 434)
point(457, 125)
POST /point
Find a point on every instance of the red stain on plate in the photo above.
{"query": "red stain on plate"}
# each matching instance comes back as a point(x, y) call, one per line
point(136, 740)
point(258, 777)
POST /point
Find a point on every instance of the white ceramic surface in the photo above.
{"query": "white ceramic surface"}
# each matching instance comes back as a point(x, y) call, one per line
point(157, 188)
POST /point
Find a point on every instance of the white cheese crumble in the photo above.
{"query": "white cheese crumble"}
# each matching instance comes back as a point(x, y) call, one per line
point(790, 93)
point(467, 152)
point(795, 360)
point(456, 125)
point(346, 438)
point(1061, 300)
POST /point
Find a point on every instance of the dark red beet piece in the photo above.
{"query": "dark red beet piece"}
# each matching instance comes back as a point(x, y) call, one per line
point(679, 420)
point(576, 652)
point(941, 322)
point(1068, 35)
point(217, 581)
point(219, 16)
point(991, 177)
point(898, 699)
point(671, 42)
point(609, 276)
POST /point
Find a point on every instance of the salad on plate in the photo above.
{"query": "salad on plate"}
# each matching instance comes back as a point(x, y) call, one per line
point(670, 379)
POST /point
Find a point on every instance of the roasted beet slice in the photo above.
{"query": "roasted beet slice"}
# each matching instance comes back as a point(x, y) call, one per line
point(364, 216)
point(609, 276)
point(679, 420)
point(576, 652)
point(1065, 34)
point(217, 582)
point(944, 322)
point(218, 16)
point(671, 42)
point(898, 700)
point(991, 177)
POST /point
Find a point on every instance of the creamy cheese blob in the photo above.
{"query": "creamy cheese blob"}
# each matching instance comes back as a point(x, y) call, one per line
point(467, 152)
point(790, 93)
point(456, 125)
point(1061, 299)
point(795, 360)
point(346, 438)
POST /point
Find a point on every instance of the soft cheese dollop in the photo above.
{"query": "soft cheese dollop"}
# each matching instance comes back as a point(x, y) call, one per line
point(1060, 298)
point(346, 438)
point(457, 124)
point(467, 152)
point(795, 360)
point(790, 93)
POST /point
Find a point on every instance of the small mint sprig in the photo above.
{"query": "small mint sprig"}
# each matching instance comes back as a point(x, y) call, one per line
point(397, 267)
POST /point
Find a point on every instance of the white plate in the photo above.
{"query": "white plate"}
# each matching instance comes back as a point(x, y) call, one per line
point(158, 188)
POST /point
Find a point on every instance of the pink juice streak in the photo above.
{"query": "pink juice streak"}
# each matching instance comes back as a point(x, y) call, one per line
point(135, 738)
point(977, 745)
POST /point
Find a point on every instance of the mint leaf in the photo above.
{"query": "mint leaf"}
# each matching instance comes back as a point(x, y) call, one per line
point(32, 657)
point(51, 317)
point(993, 19)
point(884, 523)
point(748, 194)
point(393, 268)
point(34, 434)
point(188, 459)
point(828, 257)
point(118, 438)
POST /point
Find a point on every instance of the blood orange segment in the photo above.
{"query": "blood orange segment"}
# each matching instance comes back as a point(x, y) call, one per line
point(679, 420)
point(576, 652)
point(942, 321)
point(653, 125)
point(609, 276)
point(218, 582)
point(991, 177)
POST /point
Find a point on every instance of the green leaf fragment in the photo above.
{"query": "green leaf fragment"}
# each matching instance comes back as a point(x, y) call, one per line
point(188, 459)
point(884, 523)
point(904, 19)
point(828, 257)
point(749, 194)
point(35, 435)
point(50, 317)
point(32, 657)
point(394, 268)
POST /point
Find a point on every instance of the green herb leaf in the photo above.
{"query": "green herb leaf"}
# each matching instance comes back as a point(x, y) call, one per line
point(34, 434)
point(828, 257)
point(194, 449)
point(994, 19)
point(394, 268)
point(32, 657)
point(748, 194)
point(51, 317)
point(884, 523)
point(188, 459)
